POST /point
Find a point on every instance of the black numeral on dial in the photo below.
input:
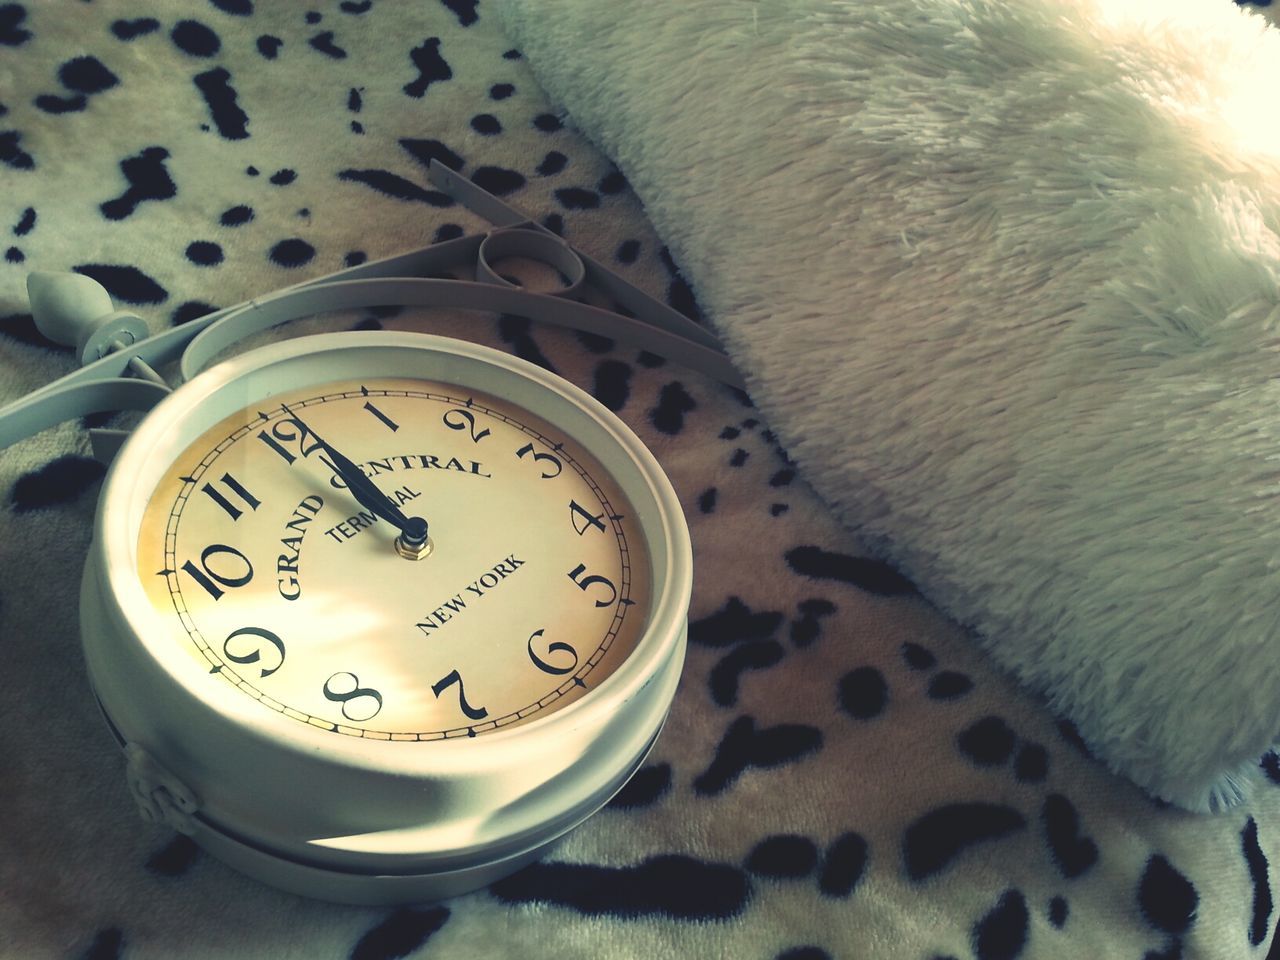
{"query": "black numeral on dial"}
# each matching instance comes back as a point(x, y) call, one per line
point(555, 646)
point(465, 420)
point(358, 703)
point(289, 433)
point(585, 583)
point(241, 571)
point(546, 459)
point(237, 490)
point(444, 683)
point(583, 519)
point(254, 653)
point(391, 424)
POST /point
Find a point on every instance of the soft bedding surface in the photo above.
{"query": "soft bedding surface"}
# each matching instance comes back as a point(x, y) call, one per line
point(844, 773)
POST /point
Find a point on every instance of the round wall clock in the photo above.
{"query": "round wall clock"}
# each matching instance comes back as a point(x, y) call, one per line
point(382, 615)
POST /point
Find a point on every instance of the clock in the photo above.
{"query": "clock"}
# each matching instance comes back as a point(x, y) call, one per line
point(376, 617)
point(331, 707)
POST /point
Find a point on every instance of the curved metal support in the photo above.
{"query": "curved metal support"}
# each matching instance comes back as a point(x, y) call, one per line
point(66, 401)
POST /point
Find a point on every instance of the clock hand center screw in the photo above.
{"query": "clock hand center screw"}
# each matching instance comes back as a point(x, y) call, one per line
point(413, 542)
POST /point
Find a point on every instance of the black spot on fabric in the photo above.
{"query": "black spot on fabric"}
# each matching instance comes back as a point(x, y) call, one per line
point(313, 17)
point(497, 180)
point(11, 154)
point(724, 676)
point(368, 323)
point(12, 33)
point(645, 788)
point(778, 509)
point(949, 685)
point(552, 163)
point(354, 101)
point(486, 123)
point(862, 572)
point(735, 622)
point(1002, 933)
point(1058, 912)
point(673, 403)
point(269, 46)
point(1031, 765)
point(1166, 898)
point(447, 231)
point(1071, 734)
point(323, 43)
point(391, 185)
point(357, 127)
point(251, 171)
point(305, 213)
point(612, 183)
point(555, 223)
point(221, 99)
point(680, 297)
point(593, 342)
point(783, 856)
point(190, 310)
point(805, 631)
point(512, 55)
point(431, 67)
point(843, 865)
point(730, 433)
point(60, 105)
point(863, 693)
point(649, 360)
point(707, 500)
point(235, 8)
point(782, 478)
point(283, 177)
point(547, 122)
point(501, 91)
point(125, 283)
point(744, 747)
point(933, 841)
point(86, 75)
point(204, 253)
point(515, 331)
point(174, 858)
point(14, 255)
point(1073, 852)
point(671, 886)
point(1257, 862)
point(22, 327)
point(132, 29)
point(918, 657)
point(612, 384)
point(464, 10)
point(236, 216)
point(291, 253)
point(424, 151)
point(577, 198)
point(1270, 764)
point(57, 482)
point(195, 39)
point(988, 742)
point(354, 258)
point(628, 251)
point(403, 932)
point(107, 944)
point(806, 952)
point(26, 223)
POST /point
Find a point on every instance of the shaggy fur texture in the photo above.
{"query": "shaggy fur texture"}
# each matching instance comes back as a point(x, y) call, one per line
point(1054, 229)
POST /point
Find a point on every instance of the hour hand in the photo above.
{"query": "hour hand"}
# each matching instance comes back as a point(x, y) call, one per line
point(412, 529)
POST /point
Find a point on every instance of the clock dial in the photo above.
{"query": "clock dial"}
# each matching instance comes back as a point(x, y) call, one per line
point(280, 580)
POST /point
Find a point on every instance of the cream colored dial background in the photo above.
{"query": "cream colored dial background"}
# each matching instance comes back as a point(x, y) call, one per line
point(372, 639)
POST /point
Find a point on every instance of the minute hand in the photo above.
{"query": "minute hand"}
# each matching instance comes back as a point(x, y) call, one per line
point(361, 487)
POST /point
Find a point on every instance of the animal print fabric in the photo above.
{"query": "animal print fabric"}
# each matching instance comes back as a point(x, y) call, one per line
point(842, 775)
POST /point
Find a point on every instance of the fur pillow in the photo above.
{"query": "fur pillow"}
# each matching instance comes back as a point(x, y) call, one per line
point(1005, 278)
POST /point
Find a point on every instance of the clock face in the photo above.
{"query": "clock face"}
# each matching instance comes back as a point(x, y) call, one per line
point(271, 573)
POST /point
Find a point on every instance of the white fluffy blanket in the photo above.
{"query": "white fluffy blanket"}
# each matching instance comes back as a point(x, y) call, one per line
point(1006, 276)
